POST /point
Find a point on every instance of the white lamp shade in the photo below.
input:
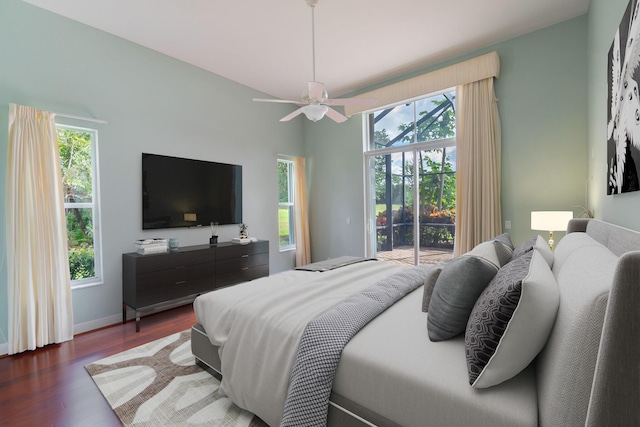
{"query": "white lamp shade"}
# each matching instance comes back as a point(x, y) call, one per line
point(550, 220)
point(315, 112)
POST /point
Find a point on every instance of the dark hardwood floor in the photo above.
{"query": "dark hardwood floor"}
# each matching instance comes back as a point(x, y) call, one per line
point(50, 386)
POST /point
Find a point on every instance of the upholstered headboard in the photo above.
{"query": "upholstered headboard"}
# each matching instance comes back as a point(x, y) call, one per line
point(618, 240)
point(589, 371)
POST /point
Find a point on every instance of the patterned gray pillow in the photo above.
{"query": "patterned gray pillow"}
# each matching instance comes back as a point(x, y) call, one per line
point(456, 290)
point(511, 320)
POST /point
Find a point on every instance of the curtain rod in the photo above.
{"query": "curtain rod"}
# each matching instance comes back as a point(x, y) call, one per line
point(87, 119)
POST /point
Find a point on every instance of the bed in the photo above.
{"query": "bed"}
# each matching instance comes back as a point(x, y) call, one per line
point(390, 373)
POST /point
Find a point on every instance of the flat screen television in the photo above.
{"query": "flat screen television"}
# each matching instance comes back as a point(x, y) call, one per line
point(179, 192)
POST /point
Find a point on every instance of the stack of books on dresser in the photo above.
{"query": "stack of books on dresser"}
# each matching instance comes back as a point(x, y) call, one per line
point(151, 246)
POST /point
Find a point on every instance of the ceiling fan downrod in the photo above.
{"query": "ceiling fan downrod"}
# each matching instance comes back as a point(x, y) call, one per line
point(312, 4)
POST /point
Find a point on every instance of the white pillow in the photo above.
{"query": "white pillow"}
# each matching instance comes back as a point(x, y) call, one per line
point(542, 246)
point(511, 320)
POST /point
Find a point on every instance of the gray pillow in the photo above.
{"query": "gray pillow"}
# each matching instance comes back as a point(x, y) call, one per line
point(539, 243)
point(524, 247)
point(492, 251)
point(456, 290)
point(429, 284)
point(511, 320)
point(502, 251)
point(505, 239)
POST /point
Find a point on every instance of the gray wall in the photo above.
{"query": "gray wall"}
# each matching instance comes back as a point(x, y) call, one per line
point(604, 19)
point(153, 104)
point(543, 108)
point(336, 192)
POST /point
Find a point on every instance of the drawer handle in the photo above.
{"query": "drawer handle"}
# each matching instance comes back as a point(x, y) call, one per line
point(182, 282)
point(245, 256)
point(245, 268)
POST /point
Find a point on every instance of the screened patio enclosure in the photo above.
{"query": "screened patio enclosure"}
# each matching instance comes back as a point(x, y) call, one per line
point(412, 181)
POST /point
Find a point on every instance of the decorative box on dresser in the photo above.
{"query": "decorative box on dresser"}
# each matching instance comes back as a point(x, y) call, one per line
point(163, 280)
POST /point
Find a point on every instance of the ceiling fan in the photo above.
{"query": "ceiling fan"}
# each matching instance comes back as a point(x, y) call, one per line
point(315, 102)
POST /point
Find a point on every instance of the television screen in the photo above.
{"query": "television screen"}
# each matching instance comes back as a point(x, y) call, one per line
point(180, 192)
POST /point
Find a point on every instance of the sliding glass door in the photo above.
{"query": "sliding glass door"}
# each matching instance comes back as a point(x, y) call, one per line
point(410, 166)
point(437, 196)
point(393, 204)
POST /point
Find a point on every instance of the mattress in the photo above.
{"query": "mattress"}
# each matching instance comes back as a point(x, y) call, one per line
point(391, 374)
point(393, 368)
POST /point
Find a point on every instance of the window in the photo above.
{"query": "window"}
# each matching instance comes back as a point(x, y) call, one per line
point(78, 161)
point(285, 204)
point(411, 172)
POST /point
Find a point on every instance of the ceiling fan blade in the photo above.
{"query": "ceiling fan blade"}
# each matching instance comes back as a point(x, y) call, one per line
point(283, 101)
point(316, 90)
point(351, 101)
point(292, 115)
point(335, 116)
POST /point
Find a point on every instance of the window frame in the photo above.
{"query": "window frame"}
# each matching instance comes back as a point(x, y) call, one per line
point(94, 205)
point(290, 204)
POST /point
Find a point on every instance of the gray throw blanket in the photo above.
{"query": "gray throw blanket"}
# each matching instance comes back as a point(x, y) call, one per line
point(332, 264)
point(324, 338)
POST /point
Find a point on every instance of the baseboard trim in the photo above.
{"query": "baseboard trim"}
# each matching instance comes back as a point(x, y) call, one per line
point(81, 328)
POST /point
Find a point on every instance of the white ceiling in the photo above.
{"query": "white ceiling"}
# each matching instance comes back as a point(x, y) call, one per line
point(266, 44)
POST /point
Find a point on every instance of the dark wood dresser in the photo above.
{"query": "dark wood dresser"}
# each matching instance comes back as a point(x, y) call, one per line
point(160, 281)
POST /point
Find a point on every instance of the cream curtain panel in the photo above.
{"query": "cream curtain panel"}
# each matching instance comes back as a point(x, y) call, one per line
point(478, 208)
point(39, 286)
point(301, 214)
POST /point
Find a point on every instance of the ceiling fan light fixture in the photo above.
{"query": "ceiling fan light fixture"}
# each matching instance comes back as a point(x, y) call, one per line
point(315, 112)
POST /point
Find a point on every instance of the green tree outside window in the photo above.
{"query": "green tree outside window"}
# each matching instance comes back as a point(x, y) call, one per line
point(77, 176)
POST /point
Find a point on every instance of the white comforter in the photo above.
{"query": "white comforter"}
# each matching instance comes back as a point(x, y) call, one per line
point(258, 325)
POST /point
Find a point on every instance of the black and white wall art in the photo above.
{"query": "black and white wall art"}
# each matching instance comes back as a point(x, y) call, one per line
point(623, 112)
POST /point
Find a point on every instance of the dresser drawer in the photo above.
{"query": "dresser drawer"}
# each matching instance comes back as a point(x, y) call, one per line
point(199, 271)
point(165, 291)
point(235, 250)
point(243, 262)
point(171, 260)
point(244, 275)
point(149, 281)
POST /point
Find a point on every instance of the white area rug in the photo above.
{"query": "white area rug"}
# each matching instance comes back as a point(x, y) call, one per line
point(159, 384)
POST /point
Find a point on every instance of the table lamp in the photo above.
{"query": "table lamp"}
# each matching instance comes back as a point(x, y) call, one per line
point(550, 221)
